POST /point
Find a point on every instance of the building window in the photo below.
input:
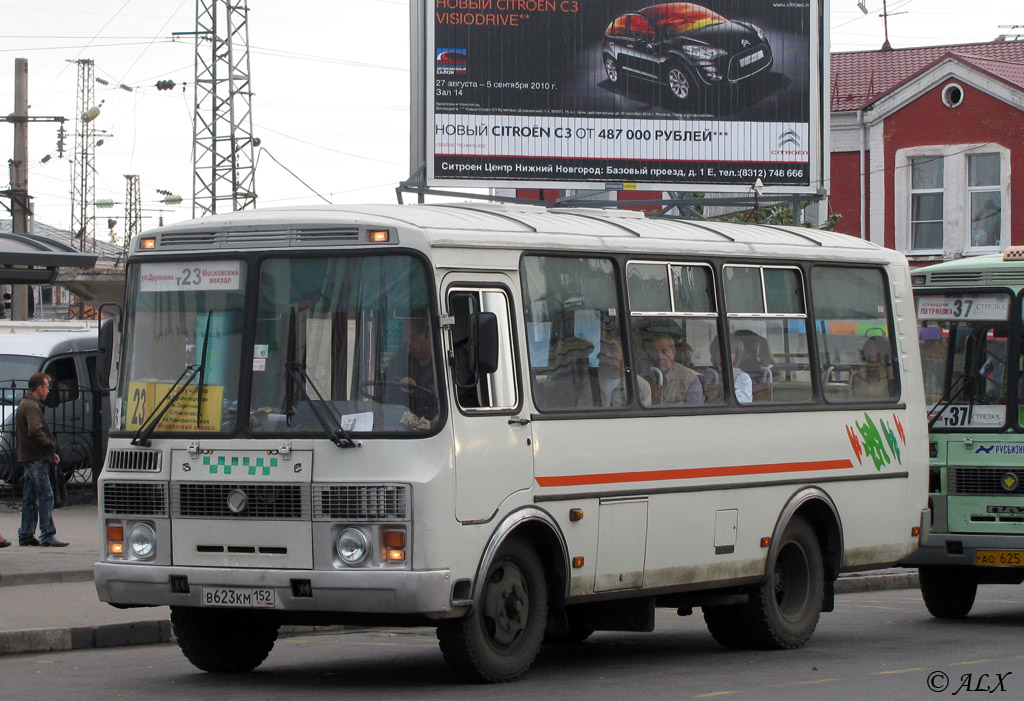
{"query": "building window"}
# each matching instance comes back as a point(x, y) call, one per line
point(926, 203)
point(983, 186)
point(952, 200)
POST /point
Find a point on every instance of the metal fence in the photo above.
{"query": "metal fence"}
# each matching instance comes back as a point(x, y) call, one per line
point(78, 417)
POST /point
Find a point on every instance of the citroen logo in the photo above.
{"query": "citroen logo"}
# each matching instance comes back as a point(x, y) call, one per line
point(1009, 482)
point(237, 501)
point(789, 138)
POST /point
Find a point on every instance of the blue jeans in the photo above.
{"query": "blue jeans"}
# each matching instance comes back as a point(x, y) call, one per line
point(36, 502)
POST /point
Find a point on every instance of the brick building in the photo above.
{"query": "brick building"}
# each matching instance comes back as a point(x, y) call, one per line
point(924, 144)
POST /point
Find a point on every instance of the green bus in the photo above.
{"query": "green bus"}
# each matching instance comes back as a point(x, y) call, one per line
point(969, 315)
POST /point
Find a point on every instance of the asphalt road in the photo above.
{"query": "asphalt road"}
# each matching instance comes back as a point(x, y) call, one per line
point(875, 645)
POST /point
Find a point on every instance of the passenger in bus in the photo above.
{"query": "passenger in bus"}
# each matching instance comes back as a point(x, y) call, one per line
point(873, 379)
point(672, 382)
point(612, 376)
point(757, 361)
point(742, 386)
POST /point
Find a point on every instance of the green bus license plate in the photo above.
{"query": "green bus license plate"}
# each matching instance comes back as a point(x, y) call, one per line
point(999, 558)
point(239, 597)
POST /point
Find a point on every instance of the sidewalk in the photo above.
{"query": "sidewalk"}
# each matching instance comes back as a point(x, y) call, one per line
point(48, 601)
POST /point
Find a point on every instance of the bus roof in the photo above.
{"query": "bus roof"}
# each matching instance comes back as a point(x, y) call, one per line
point(510, 226)
point(984, 270)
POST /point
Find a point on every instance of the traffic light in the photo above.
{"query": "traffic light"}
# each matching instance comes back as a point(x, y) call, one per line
point(165, 85)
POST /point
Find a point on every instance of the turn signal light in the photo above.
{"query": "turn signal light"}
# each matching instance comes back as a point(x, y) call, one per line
point(766, 541)
point(915, 531)
point(379, 236)
point(147, 244)
point(577, 561)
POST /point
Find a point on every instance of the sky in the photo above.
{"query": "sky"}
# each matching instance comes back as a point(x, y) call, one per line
point(331, 91)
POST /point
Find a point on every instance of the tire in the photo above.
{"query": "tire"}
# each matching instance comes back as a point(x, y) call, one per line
point(499, 639)
point(948, 592)
point(611, 68)
point(577, 633)
point(223, 641)
point(783, 610)
point(726, 625)
point(680, 83)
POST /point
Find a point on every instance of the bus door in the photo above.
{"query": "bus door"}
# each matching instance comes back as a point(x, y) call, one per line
point(493, 440)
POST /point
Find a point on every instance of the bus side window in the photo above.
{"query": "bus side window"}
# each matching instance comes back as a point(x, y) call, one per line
point(476, 389)
point(855, 338)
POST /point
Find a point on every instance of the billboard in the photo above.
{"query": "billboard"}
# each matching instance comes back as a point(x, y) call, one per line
point(624, 94)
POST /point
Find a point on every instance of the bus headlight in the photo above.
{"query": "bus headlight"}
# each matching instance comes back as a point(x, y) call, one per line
point(352, 546)
point(142, 541)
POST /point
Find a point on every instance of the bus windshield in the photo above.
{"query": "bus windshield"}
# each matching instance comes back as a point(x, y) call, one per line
point(344, 342)
point(186, 330)
point(964, 355)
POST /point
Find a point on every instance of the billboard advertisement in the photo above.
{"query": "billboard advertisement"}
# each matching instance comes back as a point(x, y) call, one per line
point(624, 94)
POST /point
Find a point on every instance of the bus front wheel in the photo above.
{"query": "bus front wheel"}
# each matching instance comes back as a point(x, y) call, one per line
point(727, 625)
point(499, 639)
point(783, 610)
point(223, 641)
point(948, 592)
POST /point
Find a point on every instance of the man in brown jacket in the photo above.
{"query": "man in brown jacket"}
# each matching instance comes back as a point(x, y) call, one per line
point(36, 450)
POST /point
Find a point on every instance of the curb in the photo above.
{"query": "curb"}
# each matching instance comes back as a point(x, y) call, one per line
point(16, 579)
point(15, 642)
point(851, 583)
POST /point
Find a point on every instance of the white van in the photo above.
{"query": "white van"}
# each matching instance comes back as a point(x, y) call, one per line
point(66, 351)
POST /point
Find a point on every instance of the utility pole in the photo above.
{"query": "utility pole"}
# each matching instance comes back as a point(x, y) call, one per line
point(21, 206)
point(132, 210)
point(224, 169)
point(83, 165)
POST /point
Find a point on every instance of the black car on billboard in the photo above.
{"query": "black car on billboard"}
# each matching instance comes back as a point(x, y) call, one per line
point(685, 47)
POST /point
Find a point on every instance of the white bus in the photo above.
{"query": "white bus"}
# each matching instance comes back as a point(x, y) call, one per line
point(510, 423)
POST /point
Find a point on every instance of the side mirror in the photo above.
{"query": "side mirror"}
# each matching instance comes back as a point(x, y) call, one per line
point(105, 347)
point(483, 342)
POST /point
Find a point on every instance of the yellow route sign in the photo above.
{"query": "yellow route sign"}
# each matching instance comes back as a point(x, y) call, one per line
point(144, 396)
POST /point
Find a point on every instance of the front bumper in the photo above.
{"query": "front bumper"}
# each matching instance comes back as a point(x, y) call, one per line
point(426, 593)
point(958, 548)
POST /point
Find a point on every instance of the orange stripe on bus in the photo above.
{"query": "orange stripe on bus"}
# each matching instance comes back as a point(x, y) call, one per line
point(693, 473)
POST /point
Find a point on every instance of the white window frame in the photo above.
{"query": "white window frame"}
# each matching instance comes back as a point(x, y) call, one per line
point(956, 201)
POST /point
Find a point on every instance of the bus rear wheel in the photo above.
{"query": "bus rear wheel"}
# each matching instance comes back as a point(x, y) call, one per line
point(223, 641)
point(948, 592)
point(499, 639)
point(783, 610)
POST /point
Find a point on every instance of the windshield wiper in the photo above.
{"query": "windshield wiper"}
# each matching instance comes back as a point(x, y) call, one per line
point(297, 376)
point(958, 387)
point(149, 424)
point(202, 372)
point(337, 433)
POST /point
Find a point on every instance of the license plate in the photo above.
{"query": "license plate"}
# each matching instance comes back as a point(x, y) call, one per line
point(239, 597)
point(752, 58)
point(999, 558)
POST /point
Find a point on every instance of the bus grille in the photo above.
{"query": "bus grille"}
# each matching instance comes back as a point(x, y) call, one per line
point(361, 502)
point(135, 498)
point(211, 500)
point(133, 460)
point(981, 481)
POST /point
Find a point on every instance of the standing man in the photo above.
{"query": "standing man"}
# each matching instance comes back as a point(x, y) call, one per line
point(36, 450)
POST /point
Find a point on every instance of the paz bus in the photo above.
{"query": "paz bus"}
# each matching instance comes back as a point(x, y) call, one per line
point(512, 424)
point(970, 311)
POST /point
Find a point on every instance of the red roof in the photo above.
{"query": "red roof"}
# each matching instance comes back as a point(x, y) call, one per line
point(859, 78)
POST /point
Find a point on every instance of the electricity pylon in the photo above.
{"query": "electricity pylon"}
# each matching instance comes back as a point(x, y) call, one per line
point(83, 164)
point(132, 209)
point(224, 170)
